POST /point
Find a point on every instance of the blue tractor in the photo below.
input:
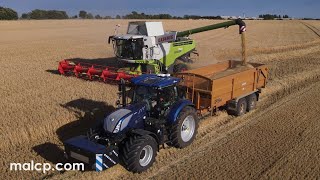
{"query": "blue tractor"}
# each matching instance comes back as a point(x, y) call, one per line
point(153, 111)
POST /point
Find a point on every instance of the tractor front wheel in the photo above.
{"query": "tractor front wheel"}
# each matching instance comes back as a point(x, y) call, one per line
point(139, 153)
point(184, 130)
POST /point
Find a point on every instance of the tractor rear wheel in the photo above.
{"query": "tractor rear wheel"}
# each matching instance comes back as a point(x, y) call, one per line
point(139, 153)
point(184, 130)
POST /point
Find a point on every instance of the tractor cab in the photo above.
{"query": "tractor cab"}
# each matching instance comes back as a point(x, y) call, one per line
point(157, 92)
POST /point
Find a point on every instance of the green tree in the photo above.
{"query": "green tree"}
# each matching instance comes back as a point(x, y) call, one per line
point(98, 17)
point(134, 13)
point(83, 14)
point(38, 14)
point(25, 16)
point(51, 14)
point(54, 14)
point(118, 17)
point(268, 16)
point(186, 17)
point(8, 14)
point(89, 16)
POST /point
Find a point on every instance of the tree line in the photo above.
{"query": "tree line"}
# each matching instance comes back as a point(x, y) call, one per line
point(136, 15)
point(273, 16)
point(44, 14)
point(10, 14)
point(85, 15)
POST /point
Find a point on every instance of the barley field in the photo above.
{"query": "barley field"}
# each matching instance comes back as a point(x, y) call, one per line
point(40, 109)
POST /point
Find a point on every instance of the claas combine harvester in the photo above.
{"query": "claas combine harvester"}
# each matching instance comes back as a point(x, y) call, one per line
point(145, 49)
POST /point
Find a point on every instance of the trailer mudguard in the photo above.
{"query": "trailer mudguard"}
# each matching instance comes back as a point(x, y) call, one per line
point(177, 108)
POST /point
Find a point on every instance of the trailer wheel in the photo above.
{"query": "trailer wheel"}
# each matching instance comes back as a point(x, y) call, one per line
point(251, 102)
point(139, 153)
point(184, 130)
point(241, 107)
point(180, 68)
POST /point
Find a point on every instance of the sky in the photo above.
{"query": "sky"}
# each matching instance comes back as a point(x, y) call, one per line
point(251, 8)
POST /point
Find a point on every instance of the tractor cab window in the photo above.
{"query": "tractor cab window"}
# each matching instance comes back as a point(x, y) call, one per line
point(153, 97)
point(129, 48)
point(168, 95)
point(182, 91)
point(144, 94)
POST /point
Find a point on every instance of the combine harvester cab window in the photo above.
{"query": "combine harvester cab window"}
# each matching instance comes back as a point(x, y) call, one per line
point(129, 48)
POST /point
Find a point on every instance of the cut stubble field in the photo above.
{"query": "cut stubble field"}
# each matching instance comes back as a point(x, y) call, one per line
point(39, 108)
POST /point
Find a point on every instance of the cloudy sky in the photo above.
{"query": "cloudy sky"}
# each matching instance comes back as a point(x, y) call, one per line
point(294, 8)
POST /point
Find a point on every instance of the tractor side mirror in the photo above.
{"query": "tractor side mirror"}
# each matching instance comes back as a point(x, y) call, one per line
point(182, 92)
point(118, 103)
point(109, 40)
point(122, 91)
point(119, 87)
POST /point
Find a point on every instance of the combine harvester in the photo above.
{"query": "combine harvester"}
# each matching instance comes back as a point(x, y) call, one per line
point(154, 110)
point(145, 49)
